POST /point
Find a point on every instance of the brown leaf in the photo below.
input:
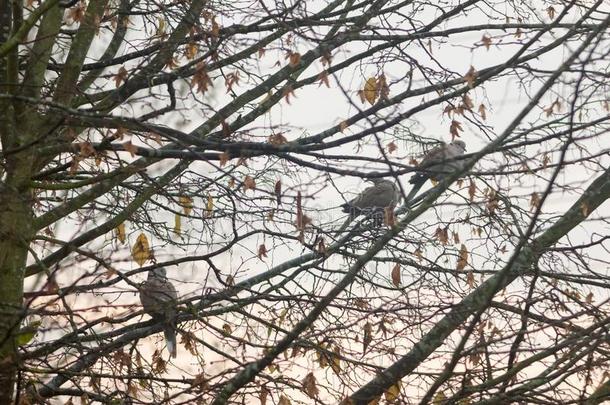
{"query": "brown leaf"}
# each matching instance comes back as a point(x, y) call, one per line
point(442, 235)
point(131, 148)
point(209, 207)
point(323, 78)
point(471, 76)
point(462, 258)
point(382, 87)
point(467, 102)
point(287, 92)
point(335, 363)
point(454, 129)
point(249, 183)
point(368, 336)
point(294, 59)
point(343, 126)
point(471, 190)
point(277, 139)
point(483, 112)
point(551, 12)
point(120, 77)
point(396, 275)
point(262, 251)
point(486, 40)
point(263, 395)
point(278, 192)
point(310, 386)
point(534, 201)
point(470, 279)
point(200, 79)
point(141, 250)
point(370, 90)
point(392, 147)
point(223, 158)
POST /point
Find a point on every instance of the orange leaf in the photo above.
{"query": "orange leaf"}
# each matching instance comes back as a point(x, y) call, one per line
point(141, 250)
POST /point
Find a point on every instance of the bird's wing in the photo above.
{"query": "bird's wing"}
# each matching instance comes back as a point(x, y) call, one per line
point(436, 155)
point(157, 296)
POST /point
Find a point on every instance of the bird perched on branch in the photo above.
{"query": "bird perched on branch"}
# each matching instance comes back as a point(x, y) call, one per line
point(158, 296)
point(438, 163)
point(382, 195)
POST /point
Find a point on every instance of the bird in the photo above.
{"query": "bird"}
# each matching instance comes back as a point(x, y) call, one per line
point(158, 296)
point(372, 200)
point(438, 163)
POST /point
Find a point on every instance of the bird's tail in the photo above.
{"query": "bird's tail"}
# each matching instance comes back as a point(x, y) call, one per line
point(414, 190)
point(170, 339)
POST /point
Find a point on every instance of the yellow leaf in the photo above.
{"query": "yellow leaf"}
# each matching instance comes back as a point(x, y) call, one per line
point(177, 224)
point(210, 206)
point(120, 233)
point(393, 392)
point(186, 203)
point(141, 250)
point(439, 399)
point(284, 400)
point(370, 90)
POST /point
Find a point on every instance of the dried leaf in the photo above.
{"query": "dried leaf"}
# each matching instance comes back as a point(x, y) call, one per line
point(439, 399)
point(392, 147)
point(335, 363)
point(323, 78)
point(120, 77)
point(368, 336)
point(483, 112)
point(471, 190)
point(551, 12)
point(442, 235)
point(177, 224)
point(393, 392)
point(310, 386)
point(120, 233)
point(389, 219)
point(284, 400)
point(294, 59)
point(343, 126)
point(396, 275)
point(278, 192)
point(131, 148)
point(462, 258)
point(277, 139)
point(141, 250)
point(470, 279)
point(454, 129)
point(263, 395)
point(486, 40)
point(471, 76)
point(370, 90)
point(249, 183)
point(262, 251)
point(209, 208)
point(186, 203)
point(534, 201)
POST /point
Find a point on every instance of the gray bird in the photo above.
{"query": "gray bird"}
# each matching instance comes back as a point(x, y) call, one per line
point(441, 160)
point(372, 201)
point(158, 297)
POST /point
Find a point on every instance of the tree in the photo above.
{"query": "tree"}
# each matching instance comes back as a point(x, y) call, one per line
point(218, 139)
